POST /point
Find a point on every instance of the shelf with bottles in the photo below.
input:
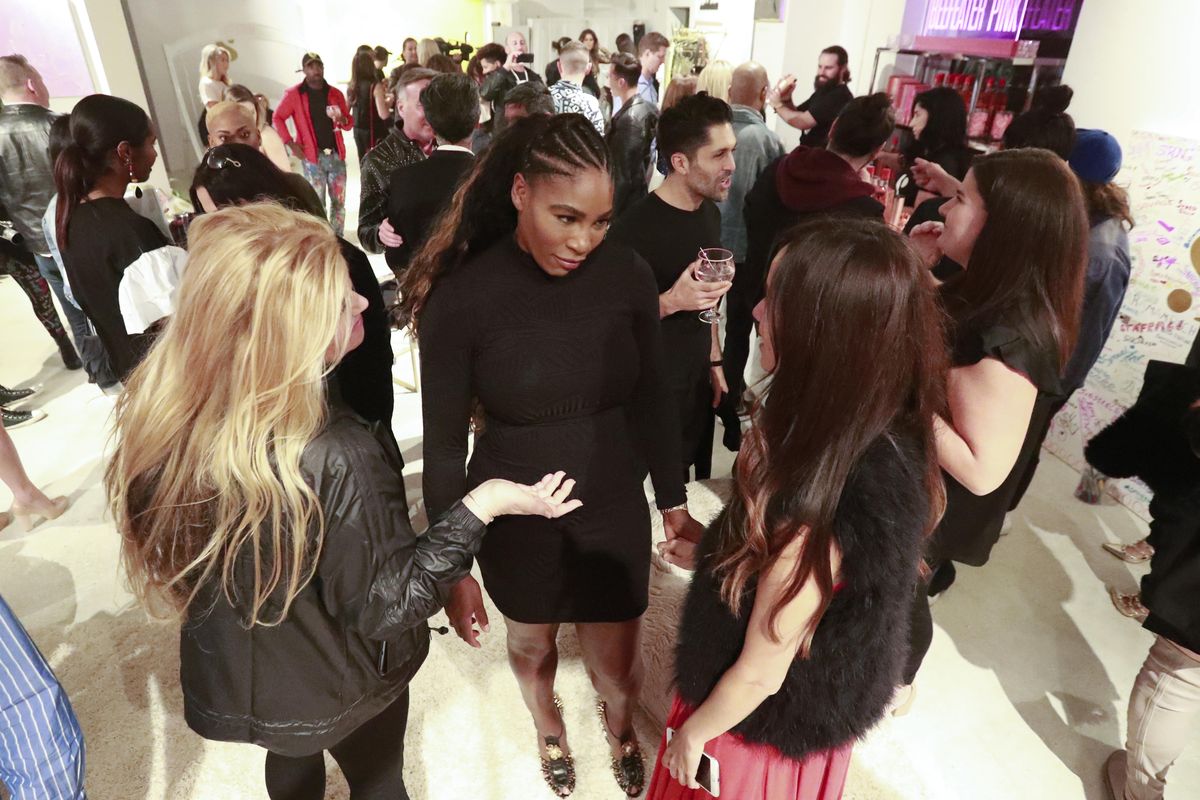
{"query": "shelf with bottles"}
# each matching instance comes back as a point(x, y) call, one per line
point(994, 89)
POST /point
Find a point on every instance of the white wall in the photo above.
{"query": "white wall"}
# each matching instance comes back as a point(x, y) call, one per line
point(812, 25)
point(108, 49)
point(1133, 67)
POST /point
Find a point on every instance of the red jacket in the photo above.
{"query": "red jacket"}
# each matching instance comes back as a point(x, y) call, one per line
point(294, 106)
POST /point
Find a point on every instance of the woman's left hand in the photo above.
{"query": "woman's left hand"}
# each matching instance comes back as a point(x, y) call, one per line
point(682, 758)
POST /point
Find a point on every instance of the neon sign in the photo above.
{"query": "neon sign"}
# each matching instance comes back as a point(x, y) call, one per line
point(996, 19)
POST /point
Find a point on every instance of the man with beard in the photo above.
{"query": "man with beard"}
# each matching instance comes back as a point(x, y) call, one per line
point(668, 228)
point(320, 114)
point(830, 95)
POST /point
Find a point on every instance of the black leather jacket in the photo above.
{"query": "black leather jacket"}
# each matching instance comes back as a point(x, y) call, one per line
point(357, 633)
point(26, 174)
point(629, 142)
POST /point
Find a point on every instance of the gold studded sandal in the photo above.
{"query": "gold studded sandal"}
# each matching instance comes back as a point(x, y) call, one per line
point(558, 767)
point(630, 768)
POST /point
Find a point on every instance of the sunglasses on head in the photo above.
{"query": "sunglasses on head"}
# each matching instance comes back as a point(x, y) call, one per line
point(215, 160)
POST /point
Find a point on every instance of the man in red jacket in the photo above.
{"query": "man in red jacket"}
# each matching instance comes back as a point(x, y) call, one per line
point(319, 114)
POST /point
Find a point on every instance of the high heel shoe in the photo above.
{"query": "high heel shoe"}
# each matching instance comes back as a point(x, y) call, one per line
point(630, 768)
point(28, 517)
point(558, 767)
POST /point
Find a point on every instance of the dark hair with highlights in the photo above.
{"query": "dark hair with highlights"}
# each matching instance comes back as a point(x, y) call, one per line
point(1027, 265)
point(839, 293)
point(482, 211)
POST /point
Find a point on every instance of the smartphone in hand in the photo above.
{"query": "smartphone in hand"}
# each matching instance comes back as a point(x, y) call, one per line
point(708, 774)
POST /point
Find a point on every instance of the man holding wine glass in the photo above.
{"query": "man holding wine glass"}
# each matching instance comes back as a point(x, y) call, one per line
point(319, 114)
point(677, 229)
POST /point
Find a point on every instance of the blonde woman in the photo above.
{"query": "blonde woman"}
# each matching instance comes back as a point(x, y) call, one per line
point(716, 79)
point(214, 80)
point(427, 49)
point(214, 74)
point(272, 521)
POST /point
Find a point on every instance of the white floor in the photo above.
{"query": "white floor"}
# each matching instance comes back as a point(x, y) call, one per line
point(1022, 696)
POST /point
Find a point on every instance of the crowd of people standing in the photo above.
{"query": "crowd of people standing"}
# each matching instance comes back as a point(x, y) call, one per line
point(552, 240)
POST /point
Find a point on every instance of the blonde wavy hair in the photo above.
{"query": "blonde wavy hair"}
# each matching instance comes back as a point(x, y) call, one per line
point(716, 79)
point(207, 56)
point(212, 425)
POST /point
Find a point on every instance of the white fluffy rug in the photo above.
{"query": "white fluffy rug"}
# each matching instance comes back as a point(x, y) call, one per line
point(469, 734)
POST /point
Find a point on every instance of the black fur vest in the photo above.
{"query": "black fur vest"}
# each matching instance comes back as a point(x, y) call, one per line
point(859, 649)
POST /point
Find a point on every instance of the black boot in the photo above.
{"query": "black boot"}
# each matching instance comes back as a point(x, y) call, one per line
point(69, 356)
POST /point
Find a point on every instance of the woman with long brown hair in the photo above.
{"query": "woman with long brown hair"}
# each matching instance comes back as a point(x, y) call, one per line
point(524, 309)
point(257, 508)
point(794, 632)
point(367, 95)
point(1017, 225)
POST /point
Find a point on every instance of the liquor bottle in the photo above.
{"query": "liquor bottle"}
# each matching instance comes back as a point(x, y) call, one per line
point(1001, 116)
point(978, 122)
point(967, 88)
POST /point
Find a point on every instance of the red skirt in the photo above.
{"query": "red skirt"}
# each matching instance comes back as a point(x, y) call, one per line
point(754, 771)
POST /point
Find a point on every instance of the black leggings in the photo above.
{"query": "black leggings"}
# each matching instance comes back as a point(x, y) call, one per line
point(371, 758)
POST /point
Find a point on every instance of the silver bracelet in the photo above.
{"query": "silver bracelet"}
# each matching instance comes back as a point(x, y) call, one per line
point(674, 508)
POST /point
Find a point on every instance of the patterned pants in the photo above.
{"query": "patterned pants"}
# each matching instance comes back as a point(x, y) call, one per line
point(328, 178)
point(35, 286)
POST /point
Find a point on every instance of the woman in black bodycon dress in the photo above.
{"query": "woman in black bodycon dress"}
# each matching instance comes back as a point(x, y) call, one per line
point(522, 306)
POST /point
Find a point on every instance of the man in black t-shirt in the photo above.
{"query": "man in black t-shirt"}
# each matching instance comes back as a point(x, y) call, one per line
point(830, 95)
point(668, 228)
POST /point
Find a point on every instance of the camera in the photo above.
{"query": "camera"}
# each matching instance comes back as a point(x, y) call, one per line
point(459, 51)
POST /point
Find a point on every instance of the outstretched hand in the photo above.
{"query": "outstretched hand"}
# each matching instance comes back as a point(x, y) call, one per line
point(546, 498)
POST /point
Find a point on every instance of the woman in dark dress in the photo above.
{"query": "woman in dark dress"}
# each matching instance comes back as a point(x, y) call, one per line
point(367, 96)
point(1019, 227)
point(119, 264)
point(805, 582)
point(521, 306)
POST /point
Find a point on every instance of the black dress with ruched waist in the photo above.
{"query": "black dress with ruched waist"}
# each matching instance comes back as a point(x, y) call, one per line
point(568, 371)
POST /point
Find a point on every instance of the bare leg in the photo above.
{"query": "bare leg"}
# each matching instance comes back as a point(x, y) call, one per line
point(12, 473)
point(613, 657)
point(533, 656)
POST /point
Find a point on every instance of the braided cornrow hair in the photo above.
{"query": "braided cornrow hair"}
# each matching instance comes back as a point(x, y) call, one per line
point(482, 212)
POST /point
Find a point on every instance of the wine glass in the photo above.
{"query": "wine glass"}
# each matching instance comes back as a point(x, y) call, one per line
point(333, 112)
point(716, 265)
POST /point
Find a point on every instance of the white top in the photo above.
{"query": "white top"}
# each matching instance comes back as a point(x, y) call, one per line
point(211, 91)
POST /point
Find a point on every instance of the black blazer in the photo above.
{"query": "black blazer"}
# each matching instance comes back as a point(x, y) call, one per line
point(418, 195)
